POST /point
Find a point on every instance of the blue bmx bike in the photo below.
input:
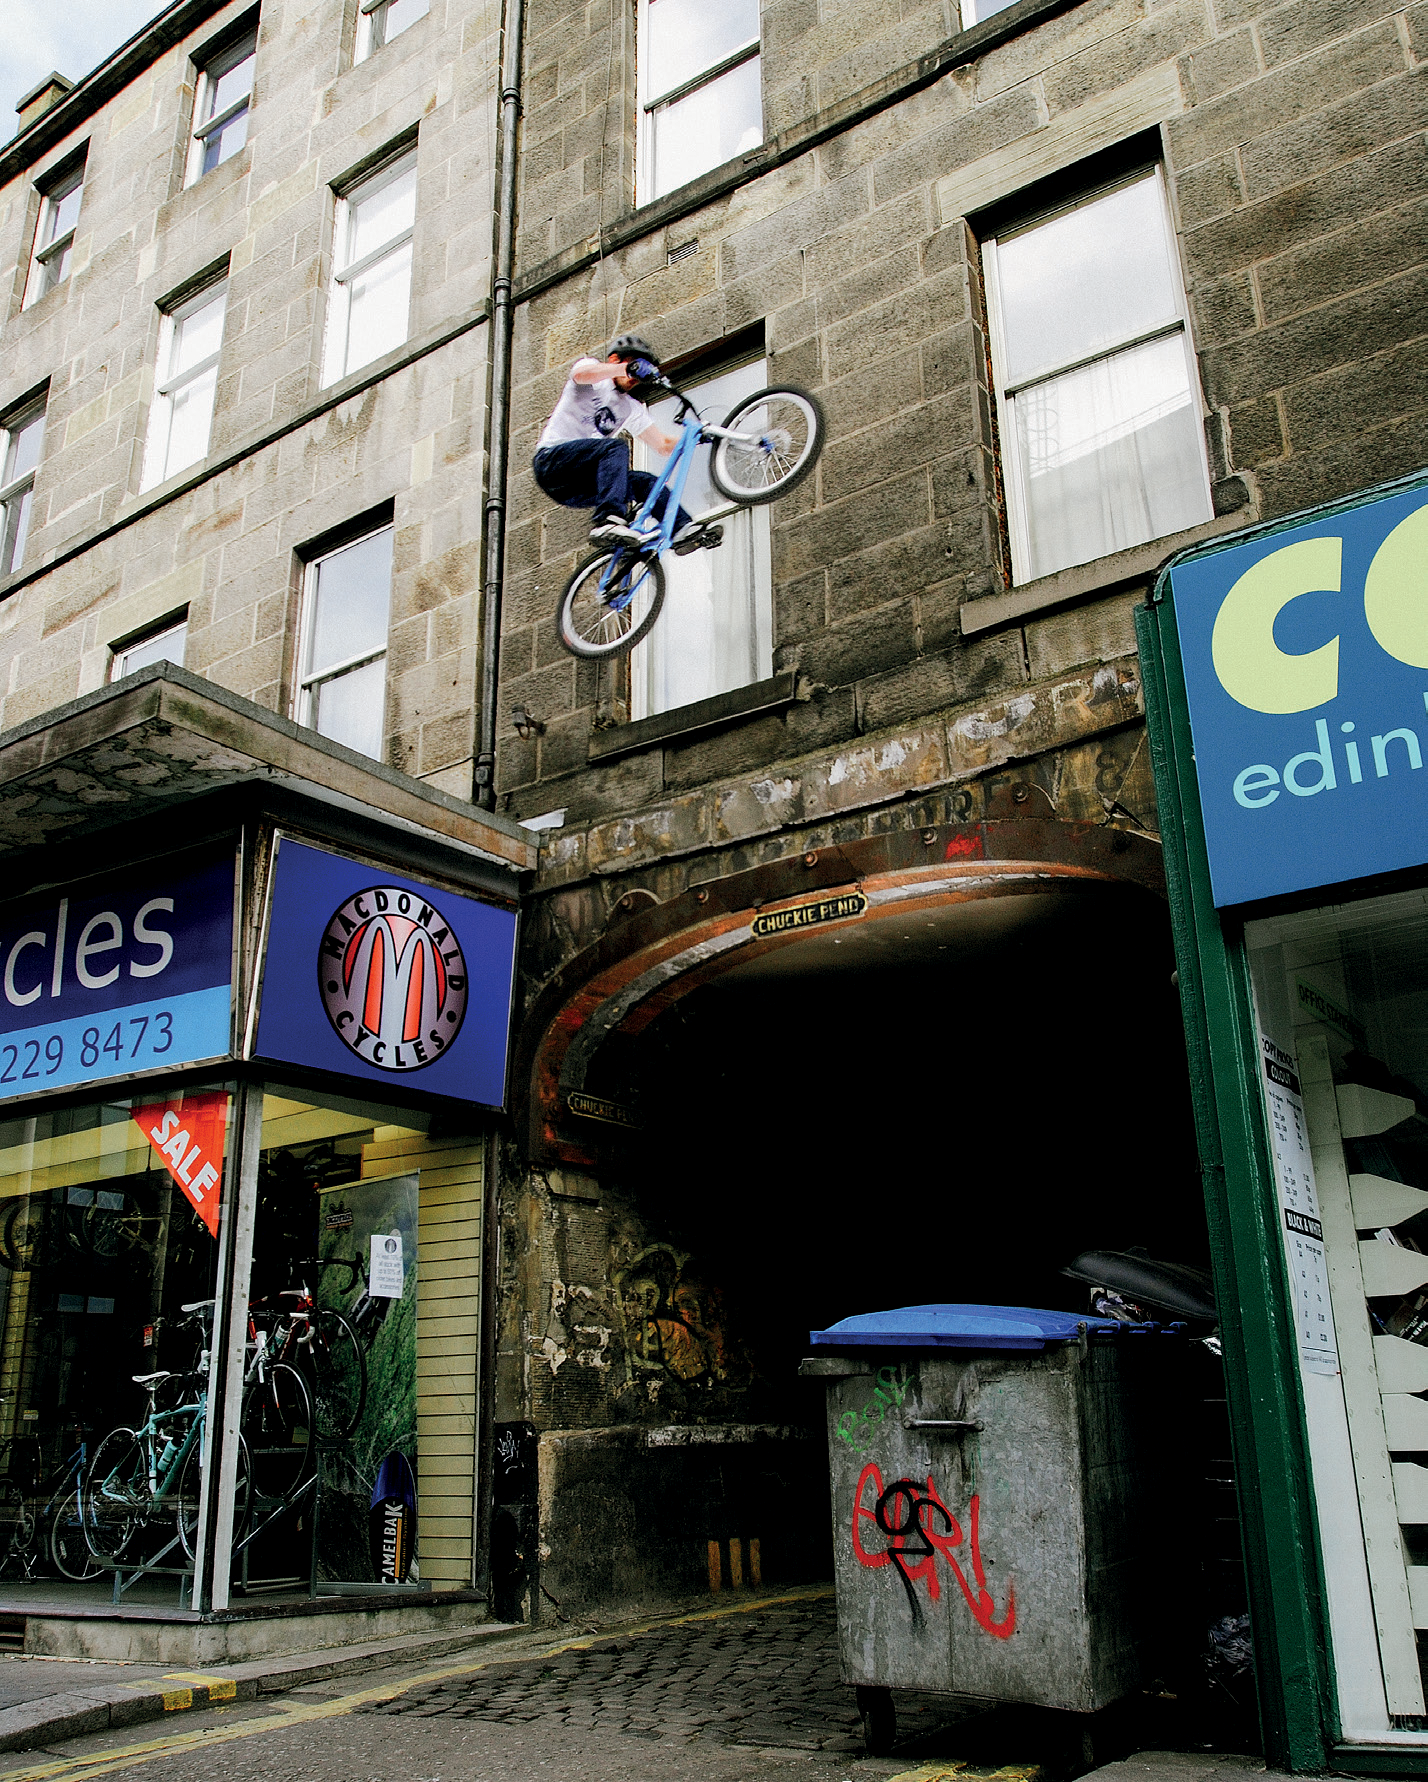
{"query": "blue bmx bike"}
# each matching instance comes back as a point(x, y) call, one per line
point(763, 448)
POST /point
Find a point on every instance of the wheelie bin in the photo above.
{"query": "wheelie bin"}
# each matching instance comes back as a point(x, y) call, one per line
point(1003, 1506)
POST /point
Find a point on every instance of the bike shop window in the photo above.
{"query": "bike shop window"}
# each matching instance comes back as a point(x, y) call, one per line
point(1099, 404)
point(716, 630)
point(164, 643)
point(60, 198)
point(186, 379)
point(700, 92)
point(370, 292)
point(21, 443)
point(109, 1214)
point(346, 602)
point(1341, 998)
point(379, 21)
point(222, 101)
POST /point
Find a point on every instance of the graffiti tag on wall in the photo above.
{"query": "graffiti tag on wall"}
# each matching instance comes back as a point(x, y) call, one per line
point(916, 1530)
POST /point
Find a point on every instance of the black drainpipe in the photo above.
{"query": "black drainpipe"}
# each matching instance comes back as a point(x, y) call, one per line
point(499, 403)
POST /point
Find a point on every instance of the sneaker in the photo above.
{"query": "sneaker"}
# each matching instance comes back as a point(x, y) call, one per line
point(695, 537)
point(615, 532)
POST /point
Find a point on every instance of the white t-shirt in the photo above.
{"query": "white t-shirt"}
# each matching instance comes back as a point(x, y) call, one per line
point(593, 411)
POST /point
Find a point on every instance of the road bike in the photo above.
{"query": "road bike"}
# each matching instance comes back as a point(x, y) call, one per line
point(323, 1344)
point(765, 446)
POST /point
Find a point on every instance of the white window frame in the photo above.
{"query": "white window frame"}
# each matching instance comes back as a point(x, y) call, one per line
point(976, 12)
point(157, 468)
point(209, 74)
point(310, 680)
point(649, 660)
point(18, 490)
point(372, 33)
point(1013, 471)
point(163, 633)
point(648, 104)
point(339, 297)
point(49, 254)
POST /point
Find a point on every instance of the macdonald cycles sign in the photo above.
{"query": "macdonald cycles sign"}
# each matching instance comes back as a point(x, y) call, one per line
point(128, 975)
point(1305, 653)
point(368, 974)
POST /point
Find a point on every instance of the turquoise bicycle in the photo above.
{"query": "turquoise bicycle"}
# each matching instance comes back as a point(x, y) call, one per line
point(763, 448)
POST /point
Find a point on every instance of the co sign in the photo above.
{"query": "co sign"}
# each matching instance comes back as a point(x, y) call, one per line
point(392, 978)
point(1306, 667)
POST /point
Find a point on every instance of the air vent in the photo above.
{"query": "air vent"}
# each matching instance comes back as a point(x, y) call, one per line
point(683, 251)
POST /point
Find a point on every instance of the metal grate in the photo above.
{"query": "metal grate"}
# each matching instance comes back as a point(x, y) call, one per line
point(683, 251)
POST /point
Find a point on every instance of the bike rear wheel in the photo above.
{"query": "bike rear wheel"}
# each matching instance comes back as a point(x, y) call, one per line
point(595, 622)
point(116, 1494)
point(339, 1375)
point(783, 434)
point(277, 1425)
point(69, 1551)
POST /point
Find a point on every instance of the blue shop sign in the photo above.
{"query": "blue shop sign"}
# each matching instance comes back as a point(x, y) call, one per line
point(133, 974)
point(369, 974)
point(1306, 669)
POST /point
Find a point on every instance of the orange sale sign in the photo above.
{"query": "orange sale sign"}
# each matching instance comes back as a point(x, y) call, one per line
point(187, 1133)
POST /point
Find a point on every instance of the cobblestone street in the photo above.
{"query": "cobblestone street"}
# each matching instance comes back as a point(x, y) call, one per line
point(766, 1678)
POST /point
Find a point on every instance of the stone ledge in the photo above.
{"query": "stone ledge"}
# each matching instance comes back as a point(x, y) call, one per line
point(688, 720)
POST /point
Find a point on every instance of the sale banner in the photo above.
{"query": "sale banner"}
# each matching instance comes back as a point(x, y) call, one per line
point(187, 1132)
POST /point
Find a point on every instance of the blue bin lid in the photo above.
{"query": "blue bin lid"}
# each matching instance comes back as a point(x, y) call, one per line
point(957, 1327)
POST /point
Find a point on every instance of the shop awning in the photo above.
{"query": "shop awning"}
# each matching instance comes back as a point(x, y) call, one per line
point(163, 736)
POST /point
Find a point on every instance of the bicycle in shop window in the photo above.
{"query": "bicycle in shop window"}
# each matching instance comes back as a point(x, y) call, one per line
point(41, 1513)
point(764, 447)
point(322, 1343)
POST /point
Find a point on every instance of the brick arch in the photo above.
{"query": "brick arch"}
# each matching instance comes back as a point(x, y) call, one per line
point(660, 953)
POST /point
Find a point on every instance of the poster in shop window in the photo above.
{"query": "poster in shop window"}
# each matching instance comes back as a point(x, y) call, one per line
point(1299, 1211)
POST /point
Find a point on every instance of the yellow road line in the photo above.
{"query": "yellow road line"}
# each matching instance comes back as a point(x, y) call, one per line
point(292, 1714)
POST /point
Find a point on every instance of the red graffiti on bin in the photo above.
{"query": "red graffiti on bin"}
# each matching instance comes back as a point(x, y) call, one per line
point(904, 1516)
point(962, 845)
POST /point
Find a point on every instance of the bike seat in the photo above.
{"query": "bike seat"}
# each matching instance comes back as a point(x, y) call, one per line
point(197, 1305)
point(150, 1379)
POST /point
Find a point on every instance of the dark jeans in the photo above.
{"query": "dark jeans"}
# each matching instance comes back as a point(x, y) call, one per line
point(596, 473)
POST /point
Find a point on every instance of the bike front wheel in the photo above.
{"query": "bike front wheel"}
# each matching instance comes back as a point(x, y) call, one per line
point(69, 1551)
point(277, 1425)
point(339, 1375)
point(780, 436)
point(190, 1485)
point(606, 614)
point(116, 1494)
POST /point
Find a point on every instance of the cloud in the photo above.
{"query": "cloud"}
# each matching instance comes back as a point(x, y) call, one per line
point(73, 38)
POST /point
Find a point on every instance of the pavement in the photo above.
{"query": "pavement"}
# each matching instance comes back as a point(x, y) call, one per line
point(745, 1685)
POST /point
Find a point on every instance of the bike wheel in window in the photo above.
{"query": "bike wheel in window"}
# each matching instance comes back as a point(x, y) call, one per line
point(69, 1551)
point(116, 1494)
point(339, 1375)
point(22, 1234)
point(781, 436)
point(186, 1500)
point(17, 1523)
point(278, 1426)
point(595, 620)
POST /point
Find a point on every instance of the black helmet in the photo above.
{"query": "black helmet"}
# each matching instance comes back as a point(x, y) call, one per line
point(632, 346)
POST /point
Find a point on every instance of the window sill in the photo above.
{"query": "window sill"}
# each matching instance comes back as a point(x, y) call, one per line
point(1138, 564)
point(686, 720)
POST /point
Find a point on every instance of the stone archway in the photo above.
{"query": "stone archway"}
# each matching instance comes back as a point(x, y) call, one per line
point(653, 954)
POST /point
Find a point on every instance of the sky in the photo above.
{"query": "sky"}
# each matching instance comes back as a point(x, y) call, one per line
point(73, 37)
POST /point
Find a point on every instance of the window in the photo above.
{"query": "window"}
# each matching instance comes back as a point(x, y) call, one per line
point(162, 645)
point(220, 106)
point(701, 99)
point(187, 376)
point(379, 21)
point(974, 11)
point(1101, 430)
point(22, 441)
point(344, 655)
point(372, 276)
point(716, 631)
point(54, 234)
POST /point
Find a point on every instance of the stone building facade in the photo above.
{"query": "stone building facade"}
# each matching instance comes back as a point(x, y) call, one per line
point(728, 1135)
